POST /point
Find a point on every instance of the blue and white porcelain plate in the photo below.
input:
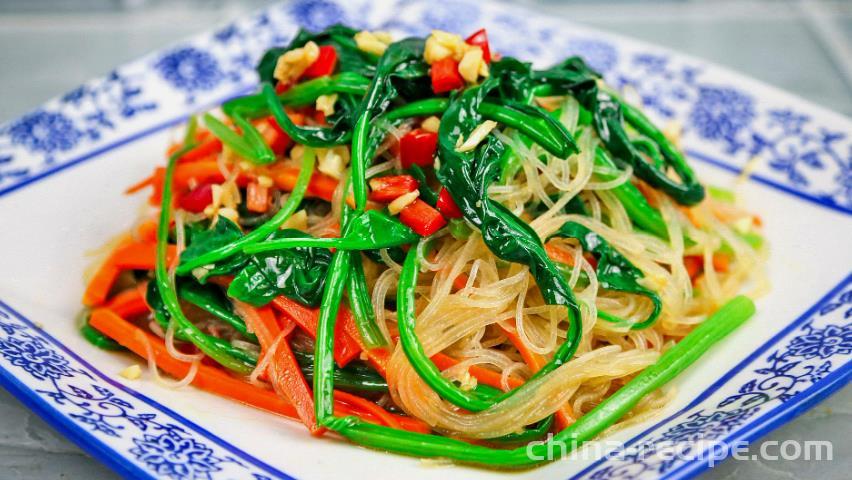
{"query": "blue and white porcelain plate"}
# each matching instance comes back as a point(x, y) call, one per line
point(63, 168)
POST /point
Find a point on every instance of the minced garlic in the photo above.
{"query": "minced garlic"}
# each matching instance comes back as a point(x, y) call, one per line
point(325, 104)
point(373, 42)
point(292, 64)
point(403, 201)
point(333, 161)
point(132, 372)
point(441, 45)
point(298, 221)
point(431, 124)
point(472, 65)
point(476, 136)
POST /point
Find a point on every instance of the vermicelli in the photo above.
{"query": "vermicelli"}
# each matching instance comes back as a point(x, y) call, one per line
point(426, 236)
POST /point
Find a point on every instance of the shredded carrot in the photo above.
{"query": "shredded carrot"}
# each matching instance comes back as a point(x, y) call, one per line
point(140, 256)
point(721, 262)
point(130, 302)
point(208, 378)
point(129, 255)
point(694, 266)
point(565, 414)
point(346, 348)
point(321, 186)
point(147, 231)
point(257, 198)
point(139, 186)
point(460, 281)
point(482, 375)
point(559, 254)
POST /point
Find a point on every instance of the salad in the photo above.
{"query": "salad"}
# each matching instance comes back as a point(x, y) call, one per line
point(428, 248)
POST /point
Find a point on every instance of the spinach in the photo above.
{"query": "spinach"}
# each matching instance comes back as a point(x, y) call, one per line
point(298, 273)
point(614, 271)
point(222, 234)
point(402, 62)
point(608, 116)
point(211, 299)
point(467, 176)
point(350, 57)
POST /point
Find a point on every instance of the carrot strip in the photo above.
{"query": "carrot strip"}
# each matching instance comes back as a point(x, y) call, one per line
point(139, 186)
point(558, 254)
point(721, 262)
point(147, 231)
point(565, 414)
point(283, 372)
point(208, 378)
point(129, 255)
point(257, 198)
point(140, 256)
point(101, 283)
point(346, 348)
point(288, 379)
point(129, 303)
point(204, 150)
point(321, 186)
point(482, 375)
point(694, 265)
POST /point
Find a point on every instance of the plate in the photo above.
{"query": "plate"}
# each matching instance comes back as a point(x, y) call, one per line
point(63, 168)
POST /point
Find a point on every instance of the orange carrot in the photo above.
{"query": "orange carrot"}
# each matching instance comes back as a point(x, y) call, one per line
point(460, 281)
point(694, 265)
point(147, 231)
point(565, 414)
point(284, 372)
point(130, 302)
point(482, 375)
point(140, 256)
point(721, 262)
point(559, 254)
point(204, 151)
point(346, 348)
point(321, 185)
point(100, 284)
point(128, 255)
point(257, 198)
point(208, 378)
point(139, 186)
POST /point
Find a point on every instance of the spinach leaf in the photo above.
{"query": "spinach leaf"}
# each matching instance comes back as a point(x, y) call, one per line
point(467, 175)
point(298, 273)
point(350, 57)
point(223, 233)
point(614, 271)
point(608, 114)
point(403, 61)
point(211, 299)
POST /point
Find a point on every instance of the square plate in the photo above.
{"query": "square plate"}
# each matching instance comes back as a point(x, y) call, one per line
point(64, 166)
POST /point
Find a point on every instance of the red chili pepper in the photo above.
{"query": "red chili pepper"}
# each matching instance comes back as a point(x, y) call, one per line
point(196, 201)
point(422, 218)
point(418, 147)
point(282, 87)
point(446, 205)
point(208, 147)
point(275, 137)
point(480, 39)
point(445, 76)
point(324, 64)
point(387, 189)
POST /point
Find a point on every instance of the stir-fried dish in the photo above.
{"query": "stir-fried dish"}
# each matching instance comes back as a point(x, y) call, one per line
point(428, 248)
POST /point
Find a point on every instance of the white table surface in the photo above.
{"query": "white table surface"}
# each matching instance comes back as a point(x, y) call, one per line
point(49, 47)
